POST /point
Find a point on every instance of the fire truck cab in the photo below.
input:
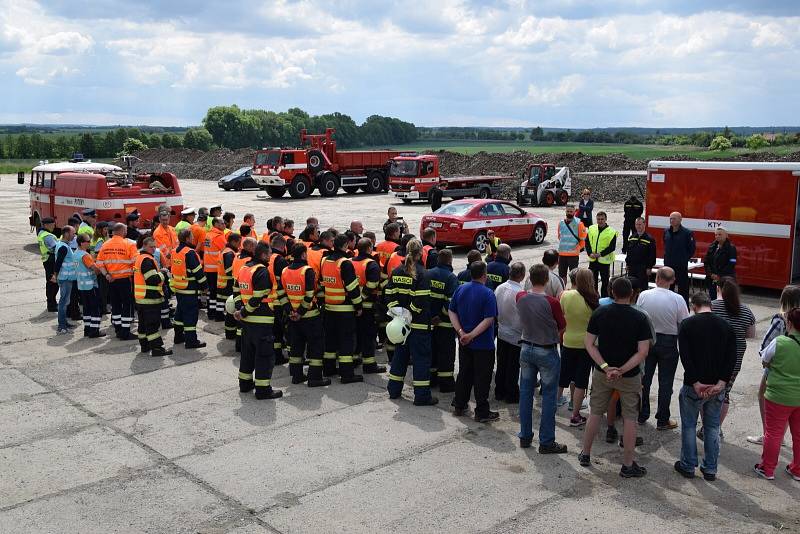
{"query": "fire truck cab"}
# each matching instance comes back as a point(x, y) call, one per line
point(60, 189)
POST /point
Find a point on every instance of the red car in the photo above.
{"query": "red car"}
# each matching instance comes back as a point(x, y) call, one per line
point(466, 222)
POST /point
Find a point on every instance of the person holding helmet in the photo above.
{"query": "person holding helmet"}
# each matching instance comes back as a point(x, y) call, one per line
point(225, 281)
point(409, 288)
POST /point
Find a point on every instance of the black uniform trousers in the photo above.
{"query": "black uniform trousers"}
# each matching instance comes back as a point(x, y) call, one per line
point(120, 292)
point(681, 281)
point(443, 341)
point(230, 322)
point(149, 327)
point(166, 309)
point(258, 358)
point(506, 377)
point(475, 368)
point(366, 332)
point(185, 322)
point(91, 312)
point(340, 337)
point(278, 330)
point(641, 273)
point(603, 272)
point(212, 295)
point(306, 333)
point(50, 288)
point(628, 226)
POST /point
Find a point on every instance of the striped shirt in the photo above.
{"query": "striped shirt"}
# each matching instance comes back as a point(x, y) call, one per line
point(740, 323)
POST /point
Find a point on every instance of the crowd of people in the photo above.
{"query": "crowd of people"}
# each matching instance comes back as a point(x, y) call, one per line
point(324, 301)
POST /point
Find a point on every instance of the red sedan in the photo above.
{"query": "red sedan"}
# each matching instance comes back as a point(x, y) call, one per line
point(466, 223)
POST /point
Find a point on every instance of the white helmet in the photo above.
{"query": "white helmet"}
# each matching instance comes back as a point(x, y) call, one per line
point(397, 330)
point(230, 305)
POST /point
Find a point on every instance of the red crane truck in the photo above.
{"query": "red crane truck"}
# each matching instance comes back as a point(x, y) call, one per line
point(317, 164)
point(757, 203)
point(416, 177)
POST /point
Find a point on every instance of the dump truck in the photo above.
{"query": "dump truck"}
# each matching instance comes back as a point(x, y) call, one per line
point(317, 164)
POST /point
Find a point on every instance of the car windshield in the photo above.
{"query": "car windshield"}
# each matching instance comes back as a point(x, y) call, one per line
point(454, 208)
point(268, 158)
point(403, 167)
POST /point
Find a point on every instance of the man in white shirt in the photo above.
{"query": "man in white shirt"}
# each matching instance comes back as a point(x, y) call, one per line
point(509, 332)
point(555, 284)
point(666, 310)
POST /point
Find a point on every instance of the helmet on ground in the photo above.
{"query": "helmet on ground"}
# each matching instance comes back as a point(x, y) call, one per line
point(230, 306)
point(397, 330)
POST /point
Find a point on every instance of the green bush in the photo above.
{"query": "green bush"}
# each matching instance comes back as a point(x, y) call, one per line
point(756, 141)
point(720, 142)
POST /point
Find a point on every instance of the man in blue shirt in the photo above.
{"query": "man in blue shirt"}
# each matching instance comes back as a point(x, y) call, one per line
point(472, 311)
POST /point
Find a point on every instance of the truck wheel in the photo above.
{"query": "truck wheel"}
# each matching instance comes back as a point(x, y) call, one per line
point(328, 184)
point(374, 183)
point(300, 186)
point(350, 189)
point(538, 235)
point(548, 199)
point(276, 191)
point(484, 193)
point(562, 197)
point(316, 161)
point(480, 242)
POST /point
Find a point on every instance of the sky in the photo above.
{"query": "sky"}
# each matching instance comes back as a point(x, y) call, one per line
point(556, 63)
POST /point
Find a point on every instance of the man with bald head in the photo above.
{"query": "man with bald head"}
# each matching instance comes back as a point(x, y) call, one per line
point(357, 228)
point(679, 247)
point(719, 261)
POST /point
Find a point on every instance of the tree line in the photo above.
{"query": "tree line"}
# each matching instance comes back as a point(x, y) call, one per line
point(232, 127)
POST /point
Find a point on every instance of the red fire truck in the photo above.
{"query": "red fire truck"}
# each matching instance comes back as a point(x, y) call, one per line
point(317, 164)
point(60, 189)
point(415, 177)
point(757, 203)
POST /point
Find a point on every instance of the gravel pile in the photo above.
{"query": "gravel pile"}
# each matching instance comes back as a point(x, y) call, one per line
point(214, 164)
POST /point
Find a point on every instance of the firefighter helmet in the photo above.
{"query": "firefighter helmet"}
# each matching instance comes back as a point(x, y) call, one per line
point(230, 306)
point(397, 330)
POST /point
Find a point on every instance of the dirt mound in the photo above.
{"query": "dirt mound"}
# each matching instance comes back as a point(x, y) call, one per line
point(185, 163)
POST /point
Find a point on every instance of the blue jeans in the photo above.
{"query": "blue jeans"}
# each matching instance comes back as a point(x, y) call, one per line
point(547, 364)
point(691, 405)
point(64, 293)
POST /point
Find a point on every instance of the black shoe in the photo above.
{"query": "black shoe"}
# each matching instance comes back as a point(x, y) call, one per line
point(266, 392)
point(352, 379)
point(584, 459)
point(708, 477)
point(179, 340)
point(460, 412)
point(488, 418)
point(195, 345)
point(427, 402)
point(95, 335)
point(685, 473)
point(639, 441)
point(246, 386)
point(299, 379)
point(319, 383)
point(161, 352)
point(370, 370)
point(611, 435)
point(525, 443)
point(634, 471)
point(553, 448)
point(126, 337)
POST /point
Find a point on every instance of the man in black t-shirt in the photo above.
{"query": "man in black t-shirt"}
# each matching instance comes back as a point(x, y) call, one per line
point(623, 335)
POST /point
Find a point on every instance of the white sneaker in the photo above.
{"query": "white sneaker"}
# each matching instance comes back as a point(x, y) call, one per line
point(758, 440)
point(562, 401)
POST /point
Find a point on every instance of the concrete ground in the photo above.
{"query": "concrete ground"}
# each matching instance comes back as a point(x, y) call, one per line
point(98, 438)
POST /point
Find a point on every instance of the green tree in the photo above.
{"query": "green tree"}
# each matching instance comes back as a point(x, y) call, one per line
point(537, 134)
point(170, 141)
point(198, 139)
point(720, 142)
point(132, 145)
point(23, 147)
point(229, 127)
point(756, 141)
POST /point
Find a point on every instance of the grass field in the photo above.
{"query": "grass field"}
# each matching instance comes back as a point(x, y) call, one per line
point(642, 152)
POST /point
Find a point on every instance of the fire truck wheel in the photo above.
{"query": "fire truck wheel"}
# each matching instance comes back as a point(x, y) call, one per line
point(548, 199)
point(538, 235)
point(479, 242)
point(374, 183)
point(351, 189)
point(485, 192)
point(328, 184)
point(562, 197)
point(276, 191)
point(316, 161)
point(300, 186)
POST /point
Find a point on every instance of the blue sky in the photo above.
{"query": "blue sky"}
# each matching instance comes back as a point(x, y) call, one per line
point(559, 63)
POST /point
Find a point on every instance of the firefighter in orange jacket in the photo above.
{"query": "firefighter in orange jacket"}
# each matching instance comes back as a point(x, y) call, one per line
point(148, 291)
point(305, 321)
point(369, 278)
point(323, 247)
point(255, 311)
point(115, 261)
point(343, 303)
point(245, 255)
point(225, 280)
point(277, 263)
point(188, 282)
point(214, 244)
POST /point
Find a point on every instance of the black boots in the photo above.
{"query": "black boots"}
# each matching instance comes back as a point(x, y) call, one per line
point(246, 386)
point(161, 351)
point(266, 392)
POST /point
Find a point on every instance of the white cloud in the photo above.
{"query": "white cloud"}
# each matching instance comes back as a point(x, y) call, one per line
point(63, 43)
point(555, 94)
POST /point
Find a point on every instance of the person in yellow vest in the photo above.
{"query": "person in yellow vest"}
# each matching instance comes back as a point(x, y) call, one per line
point(187, 282)
point(148, 293)
point(305, 321)
point(256, 312)
point(88, 222)
point(225, 281)
point(47, 247)
point(187, 219)
point(230, 219)
point(601, 241)
point(213, 211)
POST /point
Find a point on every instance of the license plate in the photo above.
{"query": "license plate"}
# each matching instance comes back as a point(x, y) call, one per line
point(435, 224)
